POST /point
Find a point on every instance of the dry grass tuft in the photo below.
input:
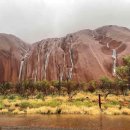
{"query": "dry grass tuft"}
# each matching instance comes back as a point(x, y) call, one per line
point(125, 111)
point(4, 111)
point(112, 111)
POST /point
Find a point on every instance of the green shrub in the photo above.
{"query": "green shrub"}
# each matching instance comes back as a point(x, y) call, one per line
point(1, 105)
point(24, 104)
point(39, 96)
point(110, 104)
point(36, 104)
point(114, 103)
point(14, 96)
point(42, 86)
point(5, 87)
point(81, 103)
point(53, 103)
point(2, 97)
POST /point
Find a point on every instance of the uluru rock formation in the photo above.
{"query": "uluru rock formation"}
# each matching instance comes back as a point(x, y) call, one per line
point(81, 56)
point(11, 51)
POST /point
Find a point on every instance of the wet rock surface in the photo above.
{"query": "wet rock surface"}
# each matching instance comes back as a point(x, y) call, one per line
point(81, 56)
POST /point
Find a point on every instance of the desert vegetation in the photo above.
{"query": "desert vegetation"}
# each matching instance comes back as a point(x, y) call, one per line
point(68, 97)
point(81, 103)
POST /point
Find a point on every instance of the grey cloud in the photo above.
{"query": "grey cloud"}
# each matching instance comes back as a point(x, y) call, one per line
point(33, 20)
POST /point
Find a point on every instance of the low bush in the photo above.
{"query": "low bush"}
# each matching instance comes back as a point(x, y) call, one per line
point(81, 103)
point(39, 96)
point(24, 104)
point(53, 103)
point(1, 105)
point(14, 96)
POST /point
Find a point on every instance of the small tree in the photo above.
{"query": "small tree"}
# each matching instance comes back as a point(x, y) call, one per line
point(5, 87)
point(18, 88)
point(60, 71)
point(71, 88)
point(28, 86)
point(55, 83)
point(91, 86)
point(124, 71)
point(121, 86)
point(42, 86)
point(106, 86)
point(123, 75)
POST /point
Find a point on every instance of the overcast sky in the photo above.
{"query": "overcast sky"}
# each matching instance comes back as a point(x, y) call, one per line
point(33, 20)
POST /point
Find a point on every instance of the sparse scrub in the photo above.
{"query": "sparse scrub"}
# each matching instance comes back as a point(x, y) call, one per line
point(82, 103)
point(24, 104)
point(39, 96)
point(1, 105)
point(53, 103)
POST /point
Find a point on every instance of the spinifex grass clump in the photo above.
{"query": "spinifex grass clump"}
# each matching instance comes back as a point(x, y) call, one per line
point(53, 103)
point(24, 104)
point(1, 105)
point(79, 103)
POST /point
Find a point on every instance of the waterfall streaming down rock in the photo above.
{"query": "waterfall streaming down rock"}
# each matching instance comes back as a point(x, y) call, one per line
point(71, 61)
point(62, 71)
point(37, 64)
point(108, 45)
point(46, 62)
point(22, 64)
point(114, 56)
point(21, 67)
point(35, 78)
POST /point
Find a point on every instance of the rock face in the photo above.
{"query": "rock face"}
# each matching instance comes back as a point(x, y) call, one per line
point(81, 56)
point(11, 51)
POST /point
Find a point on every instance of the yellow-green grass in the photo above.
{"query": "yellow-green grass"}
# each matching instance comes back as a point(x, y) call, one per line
point(81, 103)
